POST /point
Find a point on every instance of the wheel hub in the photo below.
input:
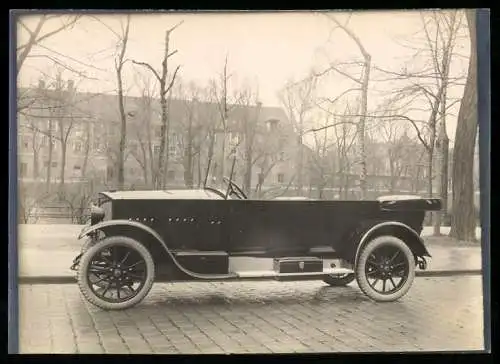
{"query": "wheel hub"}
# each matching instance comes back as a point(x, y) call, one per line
point(117, 273)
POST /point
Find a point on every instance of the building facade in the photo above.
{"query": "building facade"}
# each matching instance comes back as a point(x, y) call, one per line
point(60, 129)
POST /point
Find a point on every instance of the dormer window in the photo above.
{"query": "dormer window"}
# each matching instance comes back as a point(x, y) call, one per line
point(272, 125)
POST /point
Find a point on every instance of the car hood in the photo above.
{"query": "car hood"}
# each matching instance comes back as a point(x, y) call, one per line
point(198, 194)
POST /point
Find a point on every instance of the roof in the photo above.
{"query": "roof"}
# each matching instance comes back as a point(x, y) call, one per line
point(104, 106)
point(197, 194)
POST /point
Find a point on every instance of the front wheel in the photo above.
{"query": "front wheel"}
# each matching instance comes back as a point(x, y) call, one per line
point(385, 269)
point(124, 269)
point(89, 243)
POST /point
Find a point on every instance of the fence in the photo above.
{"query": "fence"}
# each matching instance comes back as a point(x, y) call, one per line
point(57, 215)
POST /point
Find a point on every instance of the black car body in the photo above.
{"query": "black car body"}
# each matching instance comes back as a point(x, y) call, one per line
point(203, 234)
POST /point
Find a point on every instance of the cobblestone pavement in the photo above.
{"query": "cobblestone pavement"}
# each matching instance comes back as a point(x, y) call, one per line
point(256, 317)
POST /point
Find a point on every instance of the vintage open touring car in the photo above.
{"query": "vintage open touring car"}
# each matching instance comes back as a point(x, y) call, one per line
point(136, 238)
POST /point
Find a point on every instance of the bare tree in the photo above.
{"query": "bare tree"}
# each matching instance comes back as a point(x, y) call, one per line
point(463, 223)
point(165, 88)
point(225, 105)
point(394, 134)
point(345, 133)
point(299, 99)
point(362, 85)
point(321, 166)
point(65, 123)
point(430, 84)
point(190, 129)
point(29, 197)
point(119, 63)
point(141, 131)
point(250, 130)
point(37, 34)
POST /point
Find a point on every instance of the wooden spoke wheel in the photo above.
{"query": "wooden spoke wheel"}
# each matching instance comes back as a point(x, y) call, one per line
point(116, 274)
point(385, 269)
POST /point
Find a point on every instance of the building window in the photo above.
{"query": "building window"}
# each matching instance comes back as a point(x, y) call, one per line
point(282, 156)
point(77, 147)
point(23, 169)
point(272, 125)
point(25, 142)
point(234, 139)
point(171, 175)
point(110, 173)
point(173, 139)
point(156, 149)
point(281, 178)
point(172, 150)
point(54, 164)
point(77, 167)
point(260, 178)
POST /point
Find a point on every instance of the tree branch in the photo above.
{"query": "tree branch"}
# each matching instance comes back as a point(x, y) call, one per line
point(172, 80)
point(148, 66)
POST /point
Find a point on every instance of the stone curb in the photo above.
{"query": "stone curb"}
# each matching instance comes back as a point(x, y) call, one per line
point(72, 279)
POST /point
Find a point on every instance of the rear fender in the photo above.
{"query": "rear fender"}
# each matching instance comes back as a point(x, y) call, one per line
point(109, 227)
point(397, 229)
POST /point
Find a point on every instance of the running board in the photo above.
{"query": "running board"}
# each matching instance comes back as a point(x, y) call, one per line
point(270, 274)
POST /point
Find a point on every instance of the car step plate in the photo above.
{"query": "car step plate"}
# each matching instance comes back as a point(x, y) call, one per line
point(274, 274)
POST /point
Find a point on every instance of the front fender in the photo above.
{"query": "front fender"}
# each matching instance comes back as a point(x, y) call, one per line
point(102, 225)
point(398, 229)
point(129, 223)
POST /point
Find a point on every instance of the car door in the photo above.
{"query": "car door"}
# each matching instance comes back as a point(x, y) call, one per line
point(196, 224)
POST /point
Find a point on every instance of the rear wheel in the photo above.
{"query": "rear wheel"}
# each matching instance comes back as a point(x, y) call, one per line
point(385, 269)
point(116, 274)
point(339, 280)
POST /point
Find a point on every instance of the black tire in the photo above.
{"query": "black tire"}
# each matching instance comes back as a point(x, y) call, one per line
point(375, 263)
point(339, 281)
point(125, 278)
point(87, 244)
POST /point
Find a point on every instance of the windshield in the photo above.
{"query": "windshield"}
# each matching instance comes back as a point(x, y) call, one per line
point(220, 181)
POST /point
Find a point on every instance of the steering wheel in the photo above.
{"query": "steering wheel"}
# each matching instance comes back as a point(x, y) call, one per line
point(234, 188)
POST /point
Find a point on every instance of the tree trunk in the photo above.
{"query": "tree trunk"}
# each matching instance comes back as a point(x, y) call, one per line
point(188, 156)
point(300, 162)
point(361, 125)
point(123, 117)
point(88, 144)
point(63, 168)
point(443, 167)
point(123, 133)
point(35, 149)
point(163, 137)
point(221, 173)
point(210, 155)
point(198, 163)
point(49, 161)
point(247, 181)
point(463, 224)
point(392, 183)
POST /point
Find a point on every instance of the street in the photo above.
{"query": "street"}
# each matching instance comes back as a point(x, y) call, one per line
point(253, 317)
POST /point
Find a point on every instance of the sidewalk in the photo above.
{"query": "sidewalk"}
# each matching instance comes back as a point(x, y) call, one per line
point(47, 251)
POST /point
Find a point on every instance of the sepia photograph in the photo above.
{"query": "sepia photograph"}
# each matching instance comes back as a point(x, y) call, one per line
point(233, 182)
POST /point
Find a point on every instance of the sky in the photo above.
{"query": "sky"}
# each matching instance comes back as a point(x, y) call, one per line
point(264, 50)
